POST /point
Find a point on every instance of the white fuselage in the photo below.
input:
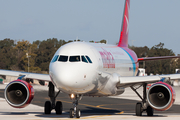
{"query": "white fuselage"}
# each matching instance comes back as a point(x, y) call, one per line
point(72, 72)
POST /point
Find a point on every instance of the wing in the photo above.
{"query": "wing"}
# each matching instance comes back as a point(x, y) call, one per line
point(43, 77)
point(137, 80)
point(157, 58)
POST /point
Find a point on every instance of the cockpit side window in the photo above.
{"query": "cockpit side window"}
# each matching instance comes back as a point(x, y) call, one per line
point(84, 59)
point(55, 58)
point(63, 58)
point(89, 59)
point(74, 59)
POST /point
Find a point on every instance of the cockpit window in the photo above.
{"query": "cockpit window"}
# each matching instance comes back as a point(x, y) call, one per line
point(89, 59)
point(63, 58)
point(74, 58)
point(55, 58)
point(84, 59)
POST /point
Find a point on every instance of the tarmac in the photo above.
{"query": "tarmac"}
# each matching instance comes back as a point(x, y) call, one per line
point(118, 107)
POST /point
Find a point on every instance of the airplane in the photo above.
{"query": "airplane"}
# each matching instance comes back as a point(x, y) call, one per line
point(92, 69)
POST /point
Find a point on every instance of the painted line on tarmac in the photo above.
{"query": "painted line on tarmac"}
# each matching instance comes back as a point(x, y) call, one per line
point(95, 116)
point(114, 104)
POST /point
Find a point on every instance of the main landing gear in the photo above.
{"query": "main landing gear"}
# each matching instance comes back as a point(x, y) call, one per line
point(143, 106)
point(50, 105)
point(75, 111)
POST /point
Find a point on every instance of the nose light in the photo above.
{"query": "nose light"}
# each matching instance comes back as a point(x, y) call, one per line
point(72, 96)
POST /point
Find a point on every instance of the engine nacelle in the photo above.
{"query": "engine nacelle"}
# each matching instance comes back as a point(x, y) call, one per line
point(161, 96)
point(19, 93)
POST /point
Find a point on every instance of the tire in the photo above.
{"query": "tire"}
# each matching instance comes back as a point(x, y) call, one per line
point(71, 113)
point(78, 113)
point(138, 109)
point(47, 107)
point(58, 108)
point(149, 111)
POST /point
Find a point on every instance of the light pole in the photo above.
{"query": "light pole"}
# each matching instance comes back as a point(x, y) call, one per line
point(144, 64)
point(28, 60)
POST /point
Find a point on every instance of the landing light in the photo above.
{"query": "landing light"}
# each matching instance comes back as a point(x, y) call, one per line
point(72, 96)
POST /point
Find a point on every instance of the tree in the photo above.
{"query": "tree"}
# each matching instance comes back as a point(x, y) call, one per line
point(91, 41)
point(25, 50)
point(103, 41)
point(46, 50)
point(156, 66)
point(160, 66)
point(7, 56)
point(21, 48)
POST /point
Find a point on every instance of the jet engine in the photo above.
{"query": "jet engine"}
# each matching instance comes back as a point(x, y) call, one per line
point(161, 96)
point(19, 93)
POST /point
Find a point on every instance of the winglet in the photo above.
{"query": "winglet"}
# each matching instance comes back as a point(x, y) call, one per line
point(123, 41)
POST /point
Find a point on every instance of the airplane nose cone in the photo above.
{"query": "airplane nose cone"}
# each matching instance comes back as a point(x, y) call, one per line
point(67, 77)
point(71, 77)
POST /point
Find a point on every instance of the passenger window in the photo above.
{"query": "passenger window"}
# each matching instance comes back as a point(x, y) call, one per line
point(63, 58)
point(55, 58)
point(74, 58)
point(84, 59)
point(89, 59)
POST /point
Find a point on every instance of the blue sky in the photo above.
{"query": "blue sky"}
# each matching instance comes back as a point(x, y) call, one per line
point(151, 21)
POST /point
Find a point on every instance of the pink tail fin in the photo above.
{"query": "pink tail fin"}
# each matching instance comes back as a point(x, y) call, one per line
point(123, 41)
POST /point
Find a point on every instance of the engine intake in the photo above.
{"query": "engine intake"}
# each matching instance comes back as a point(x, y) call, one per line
point(161, 96)
point(19, 93)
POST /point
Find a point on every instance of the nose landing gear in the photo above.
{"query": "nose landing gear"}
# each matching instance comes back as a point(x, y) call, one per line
point(75, 111)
